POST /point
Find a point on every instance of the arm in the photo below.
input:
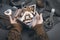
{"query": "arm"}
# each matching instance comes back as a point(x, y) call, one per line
point(38, 27)
point(15, 32)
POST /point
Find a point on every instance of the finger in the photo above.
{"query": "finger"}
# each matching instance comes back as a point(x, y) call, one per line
point(38, 17)
point(34, 22)
point(18, 12)
point(11, 20)
point(37, 13)
point(41, 18)
point(15, 19)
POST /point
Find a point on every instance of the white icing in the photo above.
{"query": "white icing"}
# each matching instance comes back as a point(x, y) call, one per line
point(8, 12)
point(27, 17)
point(27, 21)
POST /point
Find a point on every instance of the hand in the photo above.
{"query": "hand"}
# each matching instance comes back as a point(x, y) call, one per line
point(37, 20)
point(13, 21)
point(9, 13)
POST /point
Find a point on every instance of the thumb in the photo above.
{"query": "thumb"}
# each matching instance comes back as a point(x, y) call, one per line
point(41, 18)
